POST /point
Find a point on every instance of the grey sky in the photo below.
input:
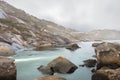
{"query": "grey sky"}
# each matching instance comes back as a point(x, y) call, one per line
point(82, 15)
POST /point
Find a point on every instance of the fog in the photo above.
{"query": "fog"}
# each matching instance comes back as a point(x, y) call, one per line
point(83, 15)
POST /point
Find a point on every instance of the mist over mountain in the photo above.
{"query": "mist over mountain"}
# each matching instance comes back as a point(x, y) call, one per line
point(16, 26)
point(100, 35)
point(19, 28)
point(82, 15)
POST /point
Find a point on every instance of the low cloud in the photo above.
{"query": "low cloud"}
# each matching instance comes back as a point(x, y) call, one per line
point(83, 15)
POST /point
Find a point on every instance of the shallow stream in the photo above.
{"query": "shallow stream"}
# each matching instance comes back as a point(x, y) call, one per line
point(27, 62)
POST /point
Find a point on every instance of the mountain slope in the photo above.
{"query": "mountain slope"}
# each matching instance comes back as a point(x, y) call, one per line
point(18, 27)
point(100, 35)
point(2, 14)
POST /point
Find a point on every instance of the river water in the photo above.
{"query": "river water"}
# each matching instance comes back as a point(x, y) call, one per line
point(27, 62)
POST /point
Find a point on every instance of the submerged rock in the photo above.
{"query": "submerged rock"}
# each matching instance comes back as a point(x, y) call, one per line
point(107, 74)
point(108, 61)
point(7, 69)
point(50, 78)
point(72, 47)
point(60, 65)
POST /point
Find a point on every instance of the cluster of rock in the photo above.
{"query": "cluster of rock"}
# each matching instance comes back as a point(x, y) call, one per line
point(108, 61)
point(58, 65)
point(7, 65)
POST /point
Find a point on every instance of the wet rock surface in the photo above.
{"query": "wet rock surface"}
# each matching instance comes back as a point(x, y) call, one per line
point(50, 78)
point(46, 70)
point(95, 44)
point(89, 63)
point(72, 47)
point(108, 53)
point(59, 65)
point(7, 69)
point(108, 61)
point(107, 74)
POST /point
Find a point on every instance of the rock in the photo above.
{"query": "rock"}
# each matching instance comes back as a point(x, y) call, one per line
point(106, 74)
point(6, 50)
point(108, 53)
point(99, 76)
point(111, 66)
point(17, 39)
point(46, 70)
point(60, 65)
point(94, 56)
point(50, 78)
point(72, 47)
point(93, 70)
point(90, 63)
point(7, 69)
point(95, 44)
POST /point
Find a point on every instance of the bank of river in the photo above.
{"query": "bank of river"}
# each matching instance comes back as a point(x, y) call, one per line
point(27, 62)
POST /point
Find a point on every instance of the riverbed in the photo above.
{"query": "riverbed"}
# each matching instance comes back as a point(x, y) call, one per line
point(27, 62)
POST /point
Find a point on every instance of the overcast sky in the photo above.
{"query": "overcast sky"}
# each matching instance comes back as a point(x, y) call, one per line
point(83, 15)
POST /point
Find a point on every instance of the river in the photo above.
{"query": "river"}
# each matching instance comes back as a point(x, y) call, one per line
point(27, 62)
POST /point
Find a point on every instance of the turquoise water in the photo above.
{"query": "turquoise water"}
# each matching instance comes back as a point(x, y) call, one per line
point(27, 62)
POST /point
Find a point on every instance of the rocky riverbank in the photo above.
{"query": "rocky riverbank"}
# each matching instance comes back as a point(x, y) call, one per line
point(108, 61)
point(21, 31)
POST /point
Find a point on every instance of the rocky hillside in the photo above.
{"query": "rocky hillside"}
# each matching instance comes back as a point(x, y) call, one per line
point(22, 29)
point(99, 35)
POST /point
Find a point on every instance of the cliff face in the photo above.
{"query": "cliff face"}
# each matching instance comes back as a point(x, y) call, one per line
point(20, 28)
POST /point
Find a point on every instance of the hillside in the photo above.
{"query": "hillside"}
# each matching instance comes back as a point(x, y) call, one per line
point(16, 26)
point(20, 29)
point(100, 35)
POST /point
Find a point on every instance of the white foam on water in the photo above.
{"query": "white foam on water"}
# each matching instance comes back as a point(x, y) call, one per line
point(33, 59)
point(29, 59)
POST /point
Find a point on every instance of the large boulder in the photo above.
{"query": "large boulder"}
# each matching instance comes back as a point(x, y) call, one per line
point(6, 50)
point(60, 65)
point(50, 78)
point(7, 69)
point(106, 74)
point(72, 47)
point(108, 53)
